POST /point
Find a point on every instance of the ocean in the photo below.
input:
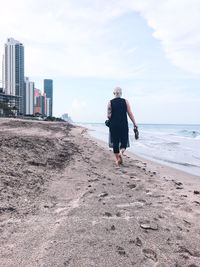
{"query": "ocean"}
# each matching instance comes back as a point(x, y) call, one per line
point(173, 145)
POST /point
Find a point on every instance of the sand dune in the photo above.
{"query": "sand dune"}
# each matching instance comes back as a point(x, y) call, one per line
point(63, 202)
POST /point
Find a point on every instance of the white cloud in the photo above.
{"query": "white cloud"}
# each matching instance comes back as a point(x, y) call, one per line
point(67, 38)
point(177, 25)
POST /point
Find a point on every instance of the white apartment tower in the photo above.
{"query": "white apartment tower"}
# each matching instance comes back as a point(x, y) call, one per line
point(13, 72)
point(28, 97)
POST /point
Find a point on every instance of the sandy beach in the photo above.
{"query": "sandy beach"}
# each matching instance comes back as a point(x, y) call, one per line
point(64, 202)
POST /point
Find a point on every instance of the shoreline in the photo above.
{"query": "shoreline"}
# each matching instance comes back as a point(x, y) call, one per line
point(64, 202)
point(187, 166)
point(167, 170)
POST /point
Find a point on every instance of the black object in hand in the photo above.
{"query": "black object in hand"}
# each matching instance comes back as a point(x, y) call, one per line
point(136, 133)
point(107, 123)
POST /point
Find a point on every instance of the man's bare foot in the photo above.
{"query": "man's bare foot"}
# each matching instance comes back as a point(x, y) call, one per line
point(122, 151)
point(120, 160)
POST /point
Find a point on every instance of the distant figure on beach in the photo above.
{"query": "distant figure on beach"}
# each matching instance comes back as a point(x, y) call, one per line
point(117, 111)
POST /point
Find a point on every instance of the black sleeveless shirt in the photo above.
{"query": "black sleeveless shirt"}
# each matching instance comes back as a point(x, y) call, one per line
point(119, 112)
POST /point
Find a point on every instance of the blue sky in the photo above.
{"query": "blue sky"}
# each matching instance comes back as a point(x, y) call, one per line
point(151, 49)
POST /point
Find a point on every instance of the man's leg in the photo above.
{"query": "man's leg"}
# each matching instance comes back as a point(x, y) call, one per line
point(115, 140)
point(124, 141)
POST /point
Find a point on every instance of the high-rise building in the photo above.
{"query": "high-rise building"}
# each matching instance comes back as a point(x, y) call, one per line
point(37, 107)
point(40, 103)
point(28, 97)
point(48, 90)
point(41, 100)
point(48, 101)
point(13, 72)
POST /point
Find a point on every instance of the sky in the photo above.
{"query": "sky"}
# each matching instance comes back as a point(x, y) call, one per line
point(150, 48)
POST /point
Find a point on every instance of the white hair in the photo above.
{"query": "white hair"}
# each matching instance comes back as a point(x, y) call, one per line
point(117, 92)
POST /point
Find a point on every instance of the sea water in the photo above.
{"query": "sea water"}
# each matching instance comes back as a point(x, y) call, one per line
point(173, 145)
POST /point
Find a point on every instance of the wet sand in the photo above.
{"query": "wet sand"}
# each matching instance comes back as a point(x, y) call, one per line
point(63, 202)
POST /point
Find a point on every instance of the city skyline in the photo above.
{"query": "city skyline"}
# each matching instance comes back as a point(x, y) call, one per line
point(89, 47)
point(18, 94)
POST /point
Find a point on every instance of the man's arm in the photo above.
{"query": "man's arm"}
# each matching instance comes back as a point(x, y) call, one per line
point(130, 113)
point(109, 110)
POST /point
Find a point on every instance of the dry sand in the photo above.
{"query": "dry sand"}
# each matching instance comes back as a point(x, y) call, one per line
point(63, 202)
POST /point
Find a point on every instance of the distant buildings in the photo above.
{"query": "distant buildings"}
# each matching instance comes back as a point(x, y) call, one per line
point(41, 103)
point(18, 95)
point(48, 90)
point(66, 117)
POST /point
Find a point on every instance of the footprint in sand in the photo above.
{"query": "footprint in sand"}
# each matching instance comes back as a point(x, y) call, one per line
point(67, 262)
point(135, 179)
point(187, 223)
point(178, 185)
point(104, 194)
point(184, 250)
point(93, 180)
point(184, 196)
point(121, 251)
point(131, 186)
point(107, 214)
point(113, 228)
point(137, 242)
point(150, 254)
